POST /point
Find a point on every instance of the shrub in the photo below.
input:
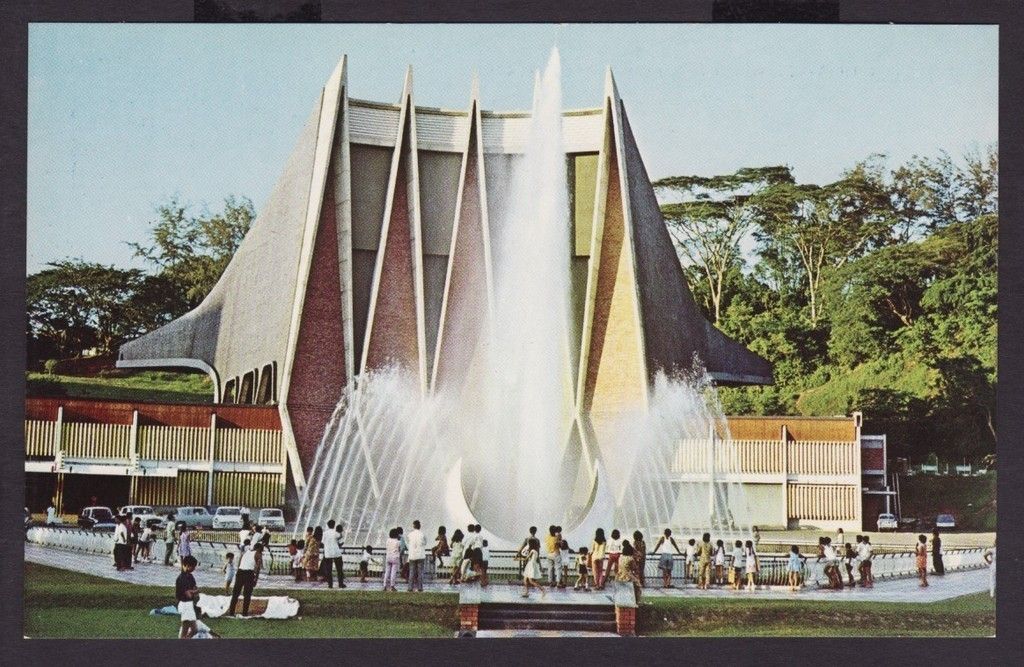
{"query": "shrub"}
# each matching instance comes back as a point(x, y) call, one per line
point(50, 366)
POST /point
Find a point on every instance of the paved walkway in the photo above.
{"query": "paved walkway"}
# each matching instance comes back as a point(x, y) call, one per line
point(157, 574)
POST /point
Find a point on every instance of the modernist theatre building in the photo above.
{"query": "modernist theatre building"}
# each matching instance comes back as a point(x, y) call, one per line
point(377, 247)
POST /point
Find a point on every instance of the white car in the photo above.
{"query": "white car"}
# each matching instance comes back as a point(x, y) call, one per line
point(945, 521)
point(146, 514)
point(194, 517)
point(228, 517)
point(887, 521)
point(271, 517)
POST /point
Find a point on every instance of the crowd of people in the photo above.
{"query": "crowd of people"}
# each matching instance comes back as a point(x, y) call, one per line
point(545, 564)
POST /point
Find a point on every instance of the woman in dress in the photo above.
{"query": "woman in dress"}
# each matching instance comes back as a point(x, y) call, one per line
point(441, 548)
point(531, 571)
point(311, 556)
point(640, 556)
point(921, 550)
point(597, 558)
point(627, 568)
point(937, 565)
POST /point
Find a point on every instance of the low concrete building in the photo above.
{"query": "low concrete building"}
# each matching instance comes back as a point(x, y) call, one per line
point(795, 471)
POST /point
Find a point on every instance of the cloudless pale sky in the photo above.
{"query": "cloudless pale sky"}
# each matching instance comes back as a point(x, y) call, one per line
point(121, 117)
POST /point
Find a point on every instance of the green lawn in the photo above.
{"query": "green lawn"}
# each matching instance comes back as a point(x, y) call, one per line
point(968, 616)
point(63, 604)
point(162, 386)
point(66, 604)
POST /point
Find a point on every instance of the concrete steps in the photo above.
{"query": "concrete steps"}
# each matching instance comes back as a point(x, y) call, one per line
point(565, 617)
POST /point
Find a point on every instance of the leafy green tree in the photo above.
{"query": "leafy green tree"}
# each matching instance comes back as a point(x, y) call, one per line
point(821, 228)
point(710, 222)
point(192, 251)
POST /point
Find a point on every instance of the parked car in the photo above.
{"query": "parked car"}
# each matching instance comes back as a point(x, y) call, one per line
point(146, 514)
point(887, 521)
point(194, 517)
point(271, 517)
point(945, 522)
point(227, 517)
point(908, 523)
point(96, 518)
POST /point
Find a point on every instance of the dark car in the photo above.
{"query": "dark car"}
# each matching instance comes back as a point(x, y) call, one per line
point(96, 518)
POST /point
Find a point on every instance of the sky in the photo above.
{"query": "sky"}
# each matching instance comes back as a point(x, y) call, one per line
point(121, 117)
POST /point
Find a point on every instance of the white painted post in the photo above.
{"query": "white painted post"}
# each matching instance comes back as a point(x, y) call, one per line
point(58, 433)
point(785, 476)
point(212, 448)
point(133, 440)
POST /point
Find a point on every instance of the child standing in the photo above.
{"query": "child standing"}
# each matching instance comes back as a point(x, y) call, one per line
point(457, 551)
point(485, 556)
point(566, 556)
point(583, 580)
point(146, 543)
point(691, 559)
point(185, 594)
point(297, 567)
point(531, 572)
point(229, 571)
point(719, 562)
point(751, 563)
point(795, 567)
point(736, 573)
point(613, 552)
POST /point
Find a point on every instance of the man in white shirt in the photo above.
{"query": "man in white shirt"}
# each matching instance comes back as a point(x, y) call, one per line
point(866, 549)
point(332, 554)
point(120, 544)
point(243, 535)
point(51, 515)
point(416, 542)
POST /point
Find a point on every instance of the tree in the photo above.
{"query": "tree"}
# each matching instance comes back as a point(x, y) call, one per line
point(820, 228)
point(711, 221)
point(192, 251)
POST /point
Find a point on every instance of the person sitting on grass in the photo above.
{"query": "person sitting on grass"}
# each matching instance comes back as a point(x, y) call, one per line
point(795, 567)
point(229, 571)
point(185, 594)
point(583, 579)
point(531, 571)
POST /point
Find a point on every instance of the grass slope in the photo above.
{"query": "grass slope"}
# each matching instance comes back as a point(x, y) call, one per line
point(64, 604)
point(157, 386)
point(838, 396)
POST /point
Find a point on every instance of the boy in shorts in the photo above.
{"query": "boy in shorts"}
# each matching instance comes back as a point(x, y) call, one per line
point(185, 593)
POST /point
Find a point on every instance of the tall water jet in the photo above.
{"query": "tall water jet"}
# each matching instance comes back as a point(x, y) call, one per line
point(524, 405)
